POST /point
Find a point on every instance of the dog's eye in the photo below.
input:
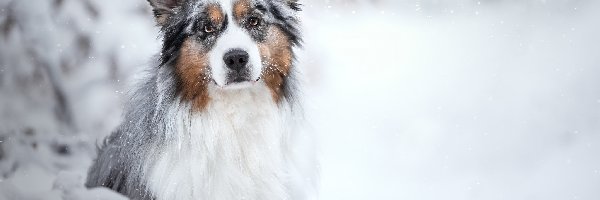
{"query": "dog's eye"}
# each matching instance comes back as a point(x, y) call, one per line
point(209, 29)
point(253, 21)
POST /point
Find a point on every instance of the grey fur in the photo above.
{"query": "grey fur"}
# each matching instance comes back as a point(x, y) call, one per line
point(121, 160)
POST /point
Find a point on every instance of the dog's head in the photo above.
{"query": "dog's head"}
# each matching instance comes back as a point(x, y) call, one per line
point(228, 44)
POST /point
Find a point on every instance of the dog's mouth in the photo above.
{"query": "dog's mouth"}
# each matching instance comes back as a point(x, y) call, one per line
point(241, 80)
point(238, 83)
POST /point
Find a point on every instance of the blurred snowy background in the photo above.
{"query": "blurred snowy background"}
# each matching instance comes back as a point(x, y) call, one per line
point(411, 99)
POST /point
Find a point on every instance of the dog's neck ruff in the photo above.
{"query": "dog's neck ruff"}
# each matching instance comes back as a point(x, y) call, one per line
point(233, 149)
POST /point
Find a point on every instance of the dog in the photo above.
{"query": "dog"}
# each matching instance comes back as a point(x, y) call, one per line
point(219, 114)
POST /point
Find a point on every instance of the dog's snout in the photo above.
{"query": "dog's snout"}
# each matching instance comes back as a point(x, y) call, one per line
point(236, 59)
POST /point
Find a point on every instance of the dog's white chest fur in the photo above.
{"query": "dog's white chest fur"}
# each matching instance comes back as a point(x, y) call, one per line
point(235, 149)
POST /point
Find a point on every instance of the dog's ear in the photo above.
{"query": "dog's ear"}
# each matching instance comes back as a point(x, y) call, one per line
point(293, 4)
point(163, 9)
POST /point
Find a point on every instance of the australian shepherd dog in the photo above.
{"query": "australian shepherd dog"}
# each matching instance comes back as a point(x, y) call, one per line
point(218, 115)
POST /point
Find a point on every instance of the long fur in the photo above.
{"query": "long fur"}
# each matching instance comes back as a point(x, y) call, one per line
point(242, 145)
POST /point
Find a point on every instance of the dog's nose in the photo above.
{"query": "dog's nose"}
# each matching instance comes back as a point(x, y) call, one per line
point(236, 59)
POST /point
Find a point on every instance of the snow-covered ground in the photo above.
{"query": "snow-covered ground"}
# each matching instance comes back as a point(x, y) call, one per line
point(418, 99)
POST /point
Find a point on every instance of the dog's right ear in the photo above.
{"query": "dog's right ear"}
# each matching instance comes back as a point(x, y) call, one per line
point(163, 9)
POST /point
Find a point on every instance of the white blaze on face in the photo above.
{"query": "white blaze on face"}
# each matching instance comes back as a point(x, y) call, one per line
point(233, 37)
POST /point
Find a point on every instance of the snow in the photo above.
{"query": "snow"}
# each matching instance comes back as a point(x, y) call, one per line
point(502, 105)
point(34, 183)
point(411, 99)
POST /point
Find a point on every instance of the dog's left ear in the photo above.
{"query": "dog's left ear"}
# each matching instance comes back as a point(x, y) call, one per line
point(293, 4)
point(163, 9)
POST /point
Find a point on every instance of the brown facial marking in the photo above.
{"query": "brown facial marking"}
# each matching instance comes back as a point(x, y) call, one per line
point(276, 55)
point(193, 73)
point(215, 14)
point(240, 9)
